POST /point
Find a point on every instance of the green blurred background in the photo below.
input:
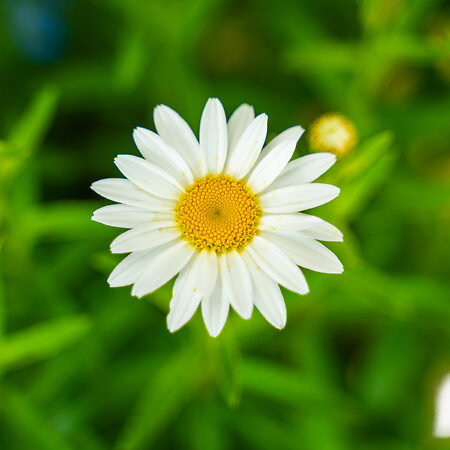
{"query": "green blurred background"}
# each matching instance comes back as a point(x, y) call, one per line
point(84, 366)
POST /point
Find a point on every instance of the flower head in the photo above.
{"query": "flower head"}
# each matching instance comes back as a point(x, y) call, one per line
point(222, 212)
point(333, 133)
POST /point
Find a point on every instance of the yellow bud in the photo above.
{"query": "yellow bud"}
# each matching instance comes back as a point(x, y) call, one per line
point(333, 133)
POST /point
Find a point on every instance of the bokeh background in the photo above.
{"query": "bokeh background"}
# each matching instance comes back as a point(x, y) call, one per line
point(84, 366)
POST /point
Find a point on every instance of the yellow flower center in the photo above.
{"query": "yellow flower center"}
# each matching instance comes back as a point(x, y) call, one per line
point(218, 213)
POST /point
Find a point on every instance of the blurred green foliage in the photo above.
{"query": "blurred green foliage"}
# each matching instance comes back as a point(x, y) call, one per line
point(86, 366)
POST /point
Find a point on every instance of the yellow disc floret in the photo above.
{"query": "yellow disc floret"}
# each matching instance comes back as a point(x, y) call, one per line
point(218, 213)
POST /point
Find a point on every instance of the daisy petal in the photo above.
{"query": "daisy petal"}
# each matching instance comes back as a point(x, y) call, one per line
point(442, 410)
point(185, 299)
point(144, 237)
point(154, 149)
point(215, 310)
point(177, 133)
point(246, 152)
point(213, 135)
point(197, 281)
point(167, 260)
point(270, 166)
point(268, 298)
point(305, 169)
point(237, 283)
point(122, 216)
point(291, 134)
point(148, 176)
point(305, 251)
point(309, 225)
point(272, 260)
point(124, 191)
point(297, 198)
point(240, 119)
point(207, 265)
point(129, 269)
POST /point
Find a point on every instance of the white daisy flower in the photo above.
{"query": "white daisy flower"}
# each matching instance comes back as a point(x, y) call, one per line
point(222, 212)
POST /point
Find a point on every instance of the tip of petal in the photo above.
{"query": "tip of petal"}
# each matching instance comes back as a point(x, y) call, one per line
point(139, 131)
point(173, 325)
point(335, 191)
point(328, 156)
point(112, 281)
point(92, 186)
point(161, 109)
point(299, 130)
point(279, 326)
point(213, 99)
point(262, 117)
point(303, 291)
point(214, 333)
point(136, 293)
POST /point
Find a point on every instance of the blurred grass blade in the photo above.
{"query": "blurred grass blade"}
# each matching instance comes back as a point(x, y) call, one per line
point(165, 394)
point(225, 362)
point(27, 133)
point(61, 220)
point(28, 424)
point(356, 195)
point(204, 428)
point(41, 341)
point(364, 156)
point(30, 129)
point(290, 386)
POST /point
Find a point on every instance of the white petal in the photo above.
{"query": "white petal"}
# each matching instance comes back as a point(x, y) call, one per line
point(148, 176)
point(167, 260)
point(291, 134)
point(185, 300)
point(196, 281)
point(305, 251)
point(208, 267)
point(122, 216)
point(237, 283)
point(297, 198)
point(156, 150)
point(213, 135)
point(124, 191)
point(270, 166)
point(130, 268)
point(305, 169)
point(310, 225)
point(243, 156)
point(215, 310)
point(268, 298)
point(177, 133)
point(146, 236)
point(272, 260)
point(442, 418)
point(241, 118)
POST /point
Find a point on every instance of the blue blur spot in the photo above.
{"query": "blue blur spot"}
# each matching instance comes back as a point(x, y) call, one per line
point(37, 29)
